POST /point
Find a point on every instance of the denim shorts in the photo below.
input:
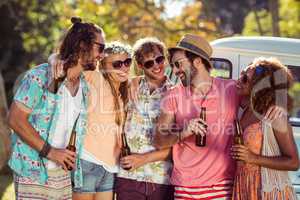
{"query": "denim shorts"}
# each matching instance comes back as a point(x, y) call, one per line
point(95, 178)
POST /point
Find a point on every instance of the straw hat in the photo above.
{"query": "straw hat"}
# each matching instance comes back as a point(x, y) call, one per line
point(195, 44)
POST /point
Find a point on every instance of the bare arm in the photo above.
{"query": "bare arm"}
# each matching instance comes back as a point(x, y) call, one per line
point(164, 137)
point(18, 121)
point(289, 160)
point(168, 133)
point(137, 160)
point(158, 155)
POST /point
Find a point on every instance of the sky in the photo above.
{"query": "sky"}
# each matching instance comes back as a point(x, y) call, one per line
point(174, 8)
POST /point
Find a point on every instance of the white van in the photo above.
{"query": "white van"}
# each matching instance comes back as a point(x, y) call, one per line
point(231, 55)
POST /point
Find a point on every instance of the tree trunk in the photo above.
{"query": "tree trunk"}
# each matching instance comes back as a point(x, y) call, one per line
point(254, 7)
point(4, 129)
point(274, 10)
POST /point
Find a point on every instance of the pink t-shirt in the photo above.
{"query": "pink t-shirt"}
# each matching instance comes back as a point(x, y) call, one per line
point(204, 166)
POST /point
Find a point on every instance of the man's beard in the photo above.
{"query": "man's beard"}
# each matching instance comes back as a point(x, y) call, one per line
point(187, 75)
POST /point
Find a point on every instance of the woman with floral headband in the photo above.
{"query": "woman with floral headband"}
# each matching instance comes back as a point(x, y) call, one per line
point(106, 99)
point(269, 149)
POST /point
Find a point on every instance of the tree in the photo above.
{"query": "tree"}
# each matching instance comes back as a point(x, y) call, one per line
point(31, 28)
point(130, 20)
point(229, 16)
point(27, 36)
point(287, 21)
point(4, 130)
point(274, 10)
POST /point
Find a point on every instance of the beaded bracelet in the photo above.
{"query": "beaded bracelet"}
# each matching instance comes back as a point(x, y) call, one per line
point(45, 150)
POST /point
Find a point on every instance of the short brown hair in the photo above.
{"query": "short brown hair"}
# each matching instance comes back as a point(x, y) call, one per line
point(276, 80)
point(145, 46)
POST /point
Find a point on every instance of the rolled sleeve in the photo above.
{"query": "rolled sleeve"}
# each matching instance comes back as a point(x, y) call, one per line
point(29, 92)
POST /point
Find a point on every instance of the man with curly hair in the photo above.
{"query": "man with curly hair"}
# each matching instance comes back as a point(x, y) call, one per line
point(149, 168)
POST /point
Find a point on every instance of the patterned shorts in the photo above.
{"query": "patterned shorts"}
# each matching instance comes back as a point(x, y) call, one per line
point(57, 187)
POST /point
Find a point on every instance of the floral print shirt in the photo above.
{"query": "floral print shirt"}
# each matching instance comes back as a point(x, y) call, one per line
point(139, 131)
point(45, 106)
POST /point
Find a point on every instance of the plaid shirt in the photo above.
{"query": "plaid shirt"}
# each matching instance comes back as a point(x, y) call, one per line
point(139, 131)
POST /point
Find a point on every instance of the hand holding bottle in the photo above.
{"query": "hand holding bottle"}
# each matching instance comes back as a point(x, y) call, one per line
point(63, 157)
point(195, 126)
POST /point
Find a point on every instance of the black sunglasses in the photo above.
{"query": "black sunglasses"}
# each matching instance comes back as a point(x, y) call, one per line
point(177, 63)
point(258, 71)
point(150, 63)
point(119, 63)
point(101, 47)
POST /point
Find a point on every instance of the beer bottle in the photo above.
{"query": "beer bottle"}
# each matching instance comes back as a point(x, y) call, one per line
point(201, 140)
point(238, 136)
point(125, 150)
point(72, 143)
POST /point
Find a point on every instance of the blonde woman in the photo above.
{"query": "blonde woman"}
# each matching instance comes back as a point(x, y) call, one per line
point(106, 99)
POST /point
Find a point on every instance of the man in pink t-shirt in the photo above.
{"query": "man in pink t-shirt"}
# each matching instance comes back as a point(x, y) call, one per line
point(199, 172)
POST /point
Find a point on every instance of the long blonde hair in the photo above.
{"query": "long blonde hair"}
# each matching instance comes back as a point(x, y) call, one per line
point(117, 48)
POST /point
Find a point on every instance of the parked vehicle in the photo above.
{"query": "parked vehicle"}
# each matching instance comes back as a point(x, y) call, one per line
point(231, 55)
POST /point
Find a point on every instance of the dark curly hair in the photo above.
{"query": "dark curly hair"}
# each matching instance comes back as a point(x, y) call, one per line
point(78, 42)
point(270, 85)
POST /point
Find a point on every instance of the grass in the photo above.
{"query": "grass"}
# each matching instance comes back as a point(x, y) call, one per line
point(6, 186)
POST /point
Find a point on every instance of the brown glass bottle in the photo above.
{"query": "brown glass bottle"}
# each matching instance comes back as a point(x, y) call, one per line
point(125, 150)
point(238, 136)
point(201, 140)
point(72, 143)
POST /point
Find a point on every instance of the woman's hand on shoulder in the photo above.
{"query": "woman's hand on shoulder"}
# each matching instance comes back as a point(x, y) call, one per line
point(274, 113)
point(134, 88)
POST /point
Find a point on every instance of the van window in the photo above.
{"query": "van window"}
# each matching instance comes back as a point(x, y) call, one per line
point(221, 68)
point(295, 91)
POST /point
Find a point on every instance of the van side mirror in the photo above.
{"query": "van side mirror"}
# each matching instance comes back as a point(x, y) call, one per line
point(221, 68)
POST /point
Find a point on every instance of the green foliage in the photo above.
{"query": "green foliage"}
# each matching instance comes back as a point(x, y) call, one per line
point(42, 23)
point(290, 18)
point(6, 187)
point(37, 25)
point(295, 93)
point(289, 22)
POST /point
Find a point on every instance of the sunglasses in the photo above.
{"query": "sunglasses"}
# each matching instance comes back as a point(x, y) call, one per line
point(258, 71)
point(101, 46)
point(177, 63)
point(150, 63)
point(119, 63)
